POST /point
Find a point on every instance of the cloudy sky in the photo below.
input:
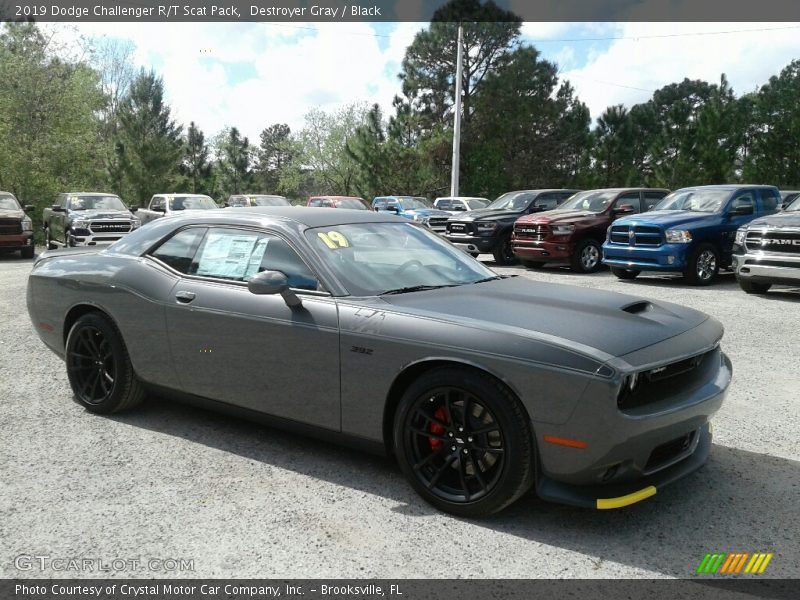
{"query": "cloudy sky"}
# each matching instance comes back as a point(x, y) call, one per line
point(252, 75)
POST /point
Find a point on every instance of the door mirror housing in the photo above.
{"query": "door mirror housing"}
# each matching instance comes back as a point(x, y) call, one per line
point(57, 208)
point(160, 209)
point(392, 208)
point(743, 209)
point(625, 209)
point(29, 208)
point(460, 208)
point(133, 209)
point(273, 282)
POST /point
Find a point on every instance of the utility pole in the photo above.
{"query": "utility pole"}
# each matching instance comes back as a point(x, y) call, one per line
point(457, 114)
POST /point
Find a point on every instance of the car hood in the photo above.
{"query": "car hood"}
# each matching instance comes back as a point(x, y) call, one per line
point(11, 213)
point(668, 218)
point(427, 212)
point(100, 214)
point(616, 324)
point(784, 219)
point(559, 216)
point(484, 214)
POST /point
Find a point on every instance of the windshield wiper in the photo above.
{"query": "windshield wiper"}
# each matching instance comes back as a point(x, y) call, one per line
point(490, 278)
point(417, 288)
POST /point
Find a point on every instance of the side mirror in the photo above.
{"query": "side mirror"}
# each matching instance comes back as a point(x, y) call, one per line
point(273, 282)
point(741, 210)
point(29, 208)
point(56, 208)
point(133, 209)
point(160, 209)
point(392, 208)
point(460, 208)
point(625, 209)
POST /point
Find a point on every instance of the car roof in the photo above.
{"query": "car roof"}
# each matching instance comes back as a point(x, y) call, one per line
point(337, 197)
point(316, 217)
point(90, 194)
point(461, 198)
point(628, 189)
point(728, 187)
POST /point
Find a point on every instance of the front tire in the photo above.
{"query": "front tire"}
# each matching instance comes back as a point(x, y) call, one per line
point(48, 242)
point(503, 253)
point(587, 257)
point(751, 287)
point(26, 252)
point(625, 273)
point(703, 265)
point(99, 368)
point(532, 264)
point(464, 442)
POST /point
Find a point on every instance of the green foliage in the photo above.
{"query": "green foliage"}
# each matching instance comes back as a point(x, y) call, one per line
point(233, 161)
point(195, 166)
point(273, 156)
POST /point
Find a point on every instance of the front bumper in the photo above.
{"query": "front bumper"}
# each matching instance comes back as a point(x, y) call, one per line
point(667, 257)
point(544, 251)
point(782, 269)
point(625, 451)
point(77, 239)
point(472, 243)
point(16, 241)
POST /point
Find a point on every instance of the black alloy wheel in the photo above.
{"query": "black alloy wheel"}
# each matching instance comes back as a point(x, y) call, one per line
point(463, 442)
point(503, 253)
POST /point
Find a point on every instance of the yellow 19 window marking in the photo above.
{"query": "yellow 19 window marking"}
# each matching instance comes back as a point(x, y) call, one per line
point(333, 240)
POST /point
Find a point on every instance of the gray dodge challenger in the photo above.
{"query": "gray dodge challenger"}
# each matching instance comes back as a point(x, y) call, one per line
point(366, 329)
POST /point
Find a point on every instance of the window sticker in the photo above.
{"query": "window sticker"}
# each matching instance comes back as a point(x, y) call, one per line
point(227, 255)
point(334, 240)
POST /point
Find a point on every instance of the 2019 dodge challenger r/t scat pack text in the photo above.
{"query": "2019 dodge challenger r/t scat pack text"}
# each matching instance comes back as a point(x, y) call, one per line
point(364, 328)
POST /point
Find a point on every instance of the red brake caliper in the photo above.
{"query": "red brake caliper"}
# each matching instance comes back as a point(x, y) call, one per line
point(437, 429)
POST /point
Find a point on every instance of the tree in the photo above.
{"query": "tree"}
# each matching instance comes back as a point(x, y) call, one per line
point(195, 165)
point(234, 161)
point(151, 140)
point(612, 150)
point(275, 153)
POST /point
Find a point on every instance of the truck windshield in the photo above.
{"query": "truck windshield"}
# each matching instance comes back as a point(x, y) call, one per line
point(706, 201)
point(269, 201)
point(191, 203)
point(409, 203)
point(794, 206)
point(516, 201)
point(8, 202)
point(96, 202)
point(351, 203)
point(591, 201)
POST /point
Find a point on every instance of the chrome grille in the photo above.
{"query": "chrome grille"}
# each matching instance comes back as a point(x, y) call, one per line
point(109, 227)
point(531, 231)
point(784, 242)
point(10, 226)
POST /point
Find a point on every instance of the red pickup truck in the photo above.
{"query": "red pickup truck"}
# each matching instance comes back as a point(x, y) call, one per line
point(16, 228)
point(574, 233)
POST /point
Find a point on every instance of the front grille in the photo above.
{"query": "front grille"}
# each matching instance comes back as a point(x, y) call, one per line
point(636, 235)
point(10, 226)
point(773, 263)
point(109, 227)
point(460, 228)
point(665, 454)
point(660, 383)
point(534, 232)
point(438, 223)
point(784, 242)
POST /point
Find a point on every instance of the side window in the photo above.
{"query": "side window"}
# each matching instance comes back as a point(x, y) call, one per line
point(157, 203)
point(744, 200)
point(61, 200)
point(629, 199)
point(652, 198)
point(562, 196)
point(178, 251)
point(770, 200)
point(237, 255)
point(327, 204)
point(315, 202)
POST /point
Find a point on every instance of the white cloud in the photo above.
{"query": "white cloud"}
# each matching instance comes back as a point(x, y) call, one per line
point(748, 60)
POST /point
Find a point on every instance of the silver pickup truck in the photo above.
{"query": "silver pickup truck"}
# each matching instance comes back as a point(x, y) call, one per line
point(86, 219)
point(164, 204)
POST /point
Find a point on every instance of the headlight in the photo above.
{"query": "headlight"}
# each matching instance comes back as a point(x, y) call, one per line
point(563, 229)
point(27, 224)
point(80, 224)
point(421, 219)
point(678, 236)
point(135, 224)
point(740, 235)
point(486, 226)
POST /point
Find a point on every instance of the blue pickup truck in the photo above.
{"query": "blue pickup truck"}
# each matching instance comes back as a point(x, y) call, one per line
point(691, 231)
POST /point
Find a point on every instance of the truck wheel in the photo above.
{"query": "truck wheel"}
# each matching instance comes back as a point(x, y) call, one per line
point(48, 242)
point(68, 239)
point(503, 253)
point(703, 265)
point(99, 368)
point(625, 273)
point(751, 287)
point(464, 442)
point(586, 258)
point(26, 252)
point(532, 264)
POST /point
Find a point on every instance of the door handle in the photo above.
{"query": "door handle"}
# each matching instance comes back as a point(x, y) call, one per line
point(184, 297)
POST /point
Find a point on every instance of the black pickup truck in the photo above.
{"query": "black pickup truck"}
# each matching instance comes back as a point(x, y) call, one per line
point(489, 229)
point(766, 251)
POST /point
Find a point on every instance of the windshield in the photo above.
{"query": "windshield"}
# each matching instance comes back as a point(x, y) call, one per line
point(375, 258)
point(268, 201)
point(706, 201)
point(191, 203)
point(794, 206)
point(96, 202)
point(351, 203)
point(475, 204)
point(516, 201)
point(409, 203)
point(591, 201)
point(8, 202)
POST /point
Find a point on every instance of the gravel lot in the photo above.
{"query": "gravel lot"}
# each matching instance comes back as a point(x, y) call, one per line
point(242, 500)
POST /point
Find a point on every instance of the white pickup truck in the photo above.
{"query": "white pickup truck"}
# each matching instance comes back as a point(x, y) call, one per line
point(165, 204)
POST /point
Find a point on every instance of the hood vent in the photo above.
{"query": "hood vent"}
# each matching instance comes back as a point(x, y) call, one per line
point(635, 308)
